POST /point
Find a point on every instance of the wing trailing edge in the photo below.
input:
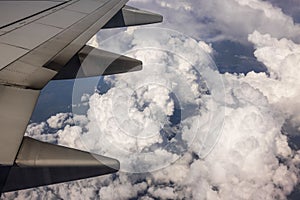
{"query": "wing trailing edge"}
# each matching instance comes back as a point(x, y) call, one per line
point(39, 163)
point(89, 62)
point(130, 16)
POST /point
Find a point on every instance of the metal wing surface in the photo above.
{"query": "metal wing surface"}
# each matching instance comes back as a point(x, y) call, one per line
point(42, 41)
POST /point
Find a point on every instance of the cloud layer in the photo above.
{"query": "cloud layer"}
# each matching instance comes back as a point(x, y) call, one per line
point(215, 20)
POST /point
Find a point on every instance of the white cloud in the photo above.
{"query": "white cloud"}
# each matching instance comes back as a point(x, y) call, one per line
point(217, 20)
point(122, 189)
point(243, 165)
point(85, 97)
point(40, 132)
point(281, 57)
point(59, 120)
point(163, 193)
point(129, 119)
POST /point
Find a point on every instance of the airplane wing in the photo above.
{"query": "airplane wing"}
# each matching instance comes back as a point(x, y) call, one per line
point(42, 41)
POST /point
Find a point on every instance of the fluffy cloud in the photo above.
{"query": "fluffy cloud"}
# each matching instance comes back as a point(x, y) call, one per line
point(135, 116)
point(243, 165)
point(216, 20)
point(58, 121)
point(281, 86)
point(290, 7)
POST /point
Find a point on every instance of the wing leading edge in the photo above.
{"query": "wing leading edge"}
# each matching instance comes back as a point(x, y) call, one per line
point(35, 57)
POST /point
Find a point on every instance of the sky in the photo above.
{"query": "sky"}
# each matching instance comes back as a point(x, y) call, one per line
point(214, 114)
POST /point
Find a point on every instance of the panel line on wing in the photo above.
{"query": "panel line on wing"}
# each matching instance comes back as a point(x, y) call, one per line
point(27, 17)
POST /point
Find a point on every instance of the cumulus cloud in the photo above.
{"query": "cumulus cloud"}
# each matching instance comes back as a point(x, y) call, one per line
point(243, 165)
point(281, 86)
point(216, 20)
point(134, 117)
point(59, 120)
point(290, 7)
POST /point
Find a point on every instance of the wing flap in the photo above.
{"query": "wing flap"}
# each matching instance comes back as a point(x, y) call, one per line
point(27, 177)
point(39, 163)
point(34, 153)
point(130, 16)
point(89, 62)
point(16, 105)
